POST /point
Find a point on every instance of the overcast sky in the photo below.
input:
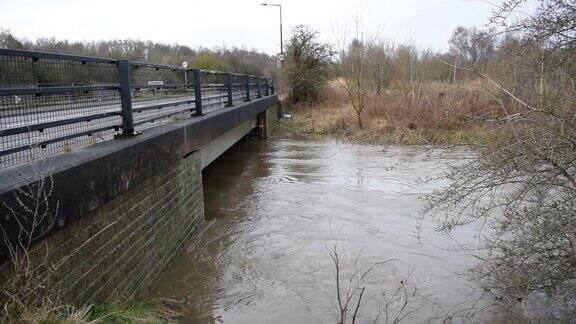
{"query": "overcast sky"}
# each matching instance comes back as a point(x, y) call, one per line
point(242, 23)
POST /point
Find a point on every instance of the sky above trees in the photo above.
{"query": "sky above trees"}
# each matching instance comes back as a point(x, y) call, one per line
point(245, 23)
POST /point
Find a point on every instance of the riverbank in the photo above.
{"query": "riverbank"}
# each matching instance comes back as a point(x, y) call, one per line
point(440, 114)
point(153, 311)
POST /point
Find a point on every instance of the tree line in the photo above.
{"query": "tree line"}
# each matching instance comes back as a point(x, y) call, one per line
point(238, 60)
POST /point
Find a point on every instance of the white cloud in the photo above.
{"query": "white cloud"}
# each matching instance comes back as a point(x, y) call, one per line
point(242, 23)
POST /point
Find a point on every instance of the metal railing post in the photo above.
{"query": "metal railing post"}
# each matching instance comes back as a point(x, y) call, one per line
point(229, 89)
point(265, 86)
point(185, 81)
point(248, 87)
point(259, 87)
point(125, 98)
point(198, 91)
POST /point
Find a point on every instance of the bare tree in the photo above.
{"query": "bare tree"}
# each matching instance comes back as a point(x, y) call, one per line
point(472, 47)
point(355, 64)
point(7, 40)
point(380, 56)
point(409, 77)
point(522, 186)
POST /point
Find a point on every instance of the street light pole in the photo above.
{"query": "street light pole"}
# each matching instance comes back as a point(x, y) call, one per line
point(281, 44)
point(280, 7)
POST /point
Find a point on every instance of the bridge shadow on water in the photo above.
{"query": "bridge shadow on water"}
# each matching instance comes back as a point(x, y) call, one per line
point(233, 175)
point(193, 277)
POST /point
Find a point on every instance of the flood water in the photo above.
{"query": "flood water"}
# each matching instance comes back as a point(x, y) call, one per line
point(276, 209)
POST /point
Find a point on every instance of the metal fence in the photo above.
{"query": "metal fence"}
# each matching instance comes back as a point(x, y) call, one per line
point(52, 103)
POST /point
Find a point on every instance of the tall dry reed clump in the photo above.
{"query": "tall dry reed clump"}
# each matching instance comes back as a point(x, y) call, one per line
point(434, 113)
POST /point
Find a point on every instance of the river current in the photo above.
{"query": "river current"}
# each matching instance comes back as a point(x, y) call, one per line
point(277, 210)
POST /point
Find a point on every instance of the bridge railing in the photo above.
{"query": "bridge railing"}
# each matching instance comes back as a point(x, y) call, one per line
point(52, 103)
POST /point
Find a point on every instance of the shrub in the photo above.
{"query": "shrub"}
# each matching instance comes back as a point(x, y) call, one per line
point(305, 67)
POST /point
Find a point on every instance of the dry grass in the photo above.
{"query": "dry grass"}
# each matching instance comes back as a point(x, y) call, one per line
point(441, 113)
point(155, 311)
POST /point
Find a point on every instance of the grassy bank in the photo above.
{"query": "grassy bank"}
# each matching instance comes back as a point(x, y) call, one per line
point(435, 114)
point(154, 311)
point(139, 312)
point(157, 311)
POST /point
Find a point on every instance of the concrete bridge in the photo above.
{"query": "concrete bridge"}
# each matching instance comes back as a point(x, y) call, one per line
point(103, 217)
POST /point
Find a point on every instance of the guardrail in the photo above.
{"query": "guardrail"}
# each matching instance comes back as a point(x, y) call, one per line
point(51, 103)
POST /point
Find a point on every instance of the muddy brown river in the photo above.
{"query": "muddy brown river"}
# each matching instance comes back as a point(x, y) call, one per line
point(277, 209)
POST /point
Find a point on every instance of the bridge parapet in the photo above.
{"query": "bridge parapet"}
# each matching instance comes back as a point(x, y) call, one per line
point(52, 103)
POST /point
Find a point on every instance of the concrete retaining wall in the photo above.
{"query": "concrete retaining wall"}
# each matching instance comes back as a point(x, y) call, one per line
point(119, 249)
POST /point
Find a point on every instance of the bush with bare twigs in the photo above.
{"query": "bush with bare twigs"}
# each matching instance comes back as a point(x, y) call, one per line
point(395, 303)
point(522, 188)
point(29, 290)
point(26, 283)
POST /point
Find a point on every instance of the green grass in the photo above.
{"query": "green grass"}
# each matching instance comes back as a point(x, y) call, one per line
point(141, 312)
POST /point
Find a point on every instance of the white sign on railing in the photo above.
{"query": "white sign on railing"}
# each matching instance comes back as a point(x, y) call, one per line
point(155, 83)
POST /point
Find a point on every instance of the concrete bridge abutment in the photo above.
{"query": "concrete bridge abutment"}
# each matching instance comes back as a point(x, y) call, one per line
point(268, 121)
